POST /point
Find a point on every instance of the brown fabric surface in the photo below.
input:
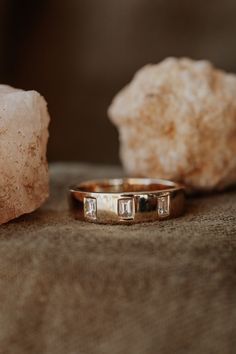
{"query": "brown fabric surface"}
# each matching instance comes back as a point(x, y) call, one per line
point(71, 287)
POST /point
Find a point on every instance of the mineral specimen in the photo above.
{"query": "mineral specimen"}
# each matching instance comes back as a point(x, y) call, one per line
point(24, 123)
point(177, 120)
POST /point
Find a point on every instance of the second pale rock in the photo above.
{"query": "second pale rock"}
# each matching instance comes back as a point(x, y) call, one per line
point(177, 120)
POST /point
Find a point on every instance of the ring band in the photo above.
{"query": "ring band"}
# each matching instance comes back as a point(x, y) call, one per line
point(127, 200)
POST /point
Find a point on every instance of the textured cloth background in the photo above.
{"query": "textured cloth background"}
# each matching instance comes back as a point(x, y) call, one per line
point(71, 287)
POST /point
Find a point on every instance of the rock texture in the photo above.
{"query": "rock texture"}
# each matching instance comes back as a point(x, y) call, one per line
point(177, 120)
point(23, 139)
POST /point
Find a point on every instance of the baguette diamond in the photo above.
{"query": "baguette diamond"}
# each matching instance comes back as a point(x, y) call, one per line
point(163, 205)
point(90, 208)
point(126, 208)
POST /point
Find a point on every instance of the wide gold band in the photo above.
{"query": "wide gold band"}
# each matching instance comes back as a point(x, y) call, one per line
point(127, 200)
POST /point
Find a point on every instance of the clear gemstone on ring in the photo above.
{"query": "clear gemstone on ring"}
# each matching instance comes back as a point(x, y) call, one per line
point(90, 208)
point(126, 208)
point(163, 205)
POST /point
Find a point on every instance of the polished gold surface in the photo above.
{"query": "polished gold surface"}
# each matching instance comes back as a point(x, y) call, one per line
point(127, 200)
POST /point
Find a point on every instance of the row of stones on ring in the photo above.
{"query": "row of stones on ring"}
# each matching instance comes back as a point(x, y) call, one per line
point(126, 207)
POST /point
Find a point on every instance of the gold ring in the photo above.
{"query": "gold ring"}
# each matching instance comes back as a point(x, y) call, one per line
point(127, 200)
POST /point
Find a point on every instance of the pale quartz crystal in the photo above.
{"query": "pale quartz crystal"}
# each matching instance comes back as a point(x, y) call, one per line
point(24, 123)
point(177, 120)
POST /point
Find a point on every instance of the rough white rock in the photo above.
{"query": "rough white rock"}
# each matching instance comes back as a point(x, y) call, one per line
point(177, 120)
point(24, 123)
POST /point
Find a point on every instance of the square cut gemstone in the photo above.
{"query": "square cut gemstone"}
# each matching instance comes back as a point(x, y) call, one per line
point(90, 208)
point(126, 208)
point(163, 205)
